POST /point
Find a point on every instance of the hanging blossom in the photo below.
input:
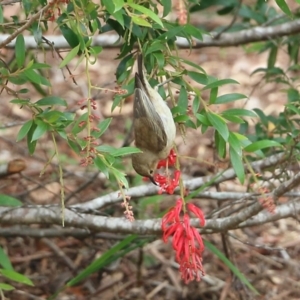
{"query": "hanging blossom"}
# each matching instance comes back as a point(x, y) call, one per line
point(167, 183)
point(187, 242)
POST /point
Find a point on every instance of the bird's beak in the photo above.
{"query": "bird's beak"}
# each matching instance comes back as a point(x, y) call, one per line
point(152, 180)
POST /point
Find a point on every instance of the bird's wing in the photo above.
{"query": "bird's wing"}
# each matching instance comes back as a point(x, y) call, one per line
point(148, 127)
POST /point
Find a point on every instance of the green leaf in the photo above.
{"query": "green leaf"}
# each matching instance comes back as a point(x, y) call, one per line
point(229, 98)
point(220, 83)
point(15, 276)
point(235, 143)
point(31, 144)
point(9, 201)
point(103, 126)
point(147, 12)
point(120, 177)
point(230, 265)
point(51, 100)
point(140, 21)
point(237, 164)
point(181, 119)
point(68, 34)
point(284, 7)
point(1, 14)
point(32, 76)
point(219, 124)
point(104, 260)
point(262, 145)
point(41, 128)
point(198, 77)
point(119, 4)
point(6, 287)
point(4, 260)
point(80, 124)
point(220, 144)
point(167, 5)
point(239, 112)
point(193, 31)
point(213, 95)
point(20, 50)
point(125, 151)
point(272, 57)
point(69, 56)
point(109, 5)
point(101, 165)
point(183, 99)
point(24, 130)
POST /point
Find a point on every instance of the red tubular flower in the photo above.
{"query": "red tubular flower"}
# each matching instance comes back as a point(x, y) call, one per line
point(187, 241)
point(167, 184)
point(197, 212)
point(169, 161)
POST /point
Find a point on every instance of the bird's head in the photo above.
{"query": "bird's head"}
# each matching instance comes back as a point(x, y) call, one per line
point(145, 164)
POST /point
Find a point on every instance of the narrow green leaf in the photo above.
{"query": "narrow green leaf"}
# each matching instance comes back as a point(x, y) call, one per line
point(193, 31)
point(220, 144)
point(80, 124)
point(284, 7)
point(51, 100)
point(120, 176)
point(167, 5)
point(272, 57)
point(32, 76)
point(262, 145)
point(198, 77)
point(230, 265)
point(9, 201)
point(68, 34)
point(239, 112)
point(125, 151)
point(229, 98)
point(181, 119)
point(15, 276)
point(69, 56)
point(119, 4)
point(1, 14)
point(101, 165)
point(140, 21)
point(4, 260)
point(24, 130)
point(41, 128)
point(103, 126)
point(19, 101)
point(147, 12)
point(235, 143)
point(219, 124)
point(213, 95)
point(109, 5)
point(220, 83)
point(237, 164)
point(31, 144)
point(20, 50)
point(183, 99)
point(6, 287)
point(102, 261)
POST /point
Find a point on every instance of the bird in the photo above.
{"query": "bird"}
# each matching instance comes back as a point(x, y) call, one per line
point(153, 125)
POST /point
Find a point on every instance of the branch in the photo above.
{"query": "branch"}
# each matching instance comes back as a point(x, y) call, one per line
point(11, 37)
point(88, 223)
point(256, 34)
point(191, 185)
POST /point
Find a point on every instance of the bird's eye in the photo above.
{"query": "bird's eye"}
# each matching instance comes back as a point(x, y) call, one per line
point(151, 172)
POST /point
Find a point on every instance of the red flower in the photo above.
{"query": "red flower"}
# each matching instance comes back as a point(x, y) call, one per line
point(167, 184)
point(169, 161)
point(187, 242)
